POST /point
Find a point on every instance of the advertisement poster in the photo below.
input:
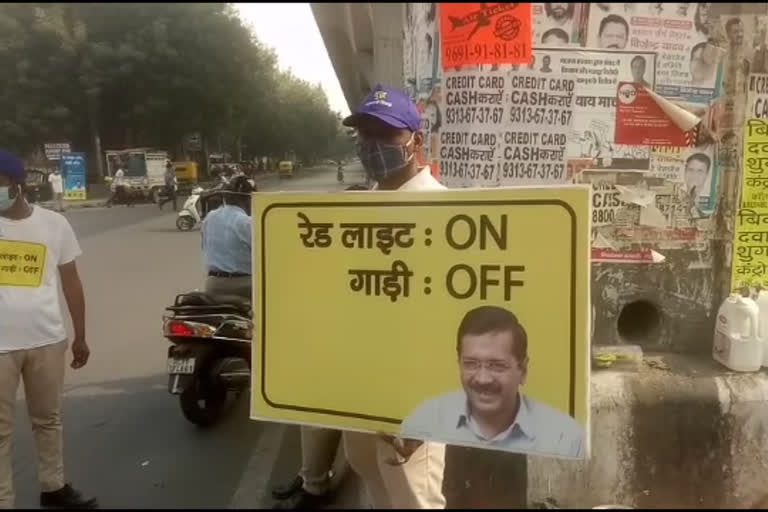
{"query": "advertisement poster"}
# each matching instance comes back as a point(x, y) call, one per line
point(597, 75)
point(505, 128)
point(693, 171)
point(413, 298)
point(556, 24)
point(678, 31)
point(640, 119)
point(74, 171)
point(606, 203)
point(54, 150)
point(757, 96)
point(750, 241)
point(421, 48)
point(485, 33)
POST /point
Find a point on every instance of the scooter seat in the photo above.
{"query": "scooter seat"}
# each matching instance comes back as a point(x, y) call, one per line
point(201, 300)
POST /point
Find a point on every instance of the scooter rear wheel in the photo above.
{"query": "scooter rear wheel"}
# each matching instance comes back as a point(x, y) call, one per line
point(203, 405)
point(185, 223)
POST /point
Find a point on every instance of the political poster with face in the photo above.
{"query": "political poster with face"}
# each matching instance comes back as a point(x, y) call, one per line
point(597, 75)
point(687, 66)
point(428, 315)
point(556, 24)
point(695, 172)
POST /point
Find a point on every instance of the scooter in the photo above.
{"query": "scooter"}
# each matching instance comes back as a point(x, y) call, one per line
point(210, 356)
point(189, 215)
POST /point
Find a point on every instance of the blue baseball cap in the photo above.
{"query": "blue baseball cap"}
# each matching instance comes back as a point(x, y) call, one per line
point(392, 106)
point(12, 166)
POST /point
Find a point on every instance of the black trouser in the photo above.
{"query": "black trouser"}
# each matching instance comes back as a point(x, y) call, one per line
point(121, 194)
point(170, 195)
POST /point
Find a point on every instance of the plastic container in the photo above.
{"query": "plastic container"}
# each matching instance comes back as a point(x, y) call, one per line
point(737, 344)
point(762, 324)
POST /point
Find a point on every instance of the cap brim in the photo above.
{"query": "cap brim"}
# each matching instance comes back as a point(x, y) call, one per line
point(354, 120)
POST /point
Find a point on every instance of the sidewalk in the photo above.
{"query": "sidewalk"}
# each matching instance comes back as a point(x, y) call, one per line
point(75, 205)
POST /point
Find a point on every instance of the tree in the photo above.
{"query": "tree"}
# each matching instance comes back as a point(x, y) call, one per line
point(148, 74)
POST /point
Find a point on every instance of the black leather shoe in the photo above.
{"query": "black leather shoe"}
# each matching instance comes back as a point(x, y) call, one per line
point(302, 500)
point(283, 492)
point(66, 497)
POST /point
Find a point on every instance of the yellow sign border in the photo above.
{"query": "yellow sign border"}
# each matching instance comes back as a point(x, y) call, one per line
point(259, 292)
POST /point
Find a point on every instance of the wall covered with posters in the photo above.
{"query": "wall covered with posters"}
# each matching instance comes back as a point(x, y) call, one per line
point(663, 215)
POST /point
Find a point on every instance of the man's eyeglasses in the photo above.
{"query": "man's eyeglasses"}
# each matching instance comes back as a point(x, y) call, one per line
point(493, 366)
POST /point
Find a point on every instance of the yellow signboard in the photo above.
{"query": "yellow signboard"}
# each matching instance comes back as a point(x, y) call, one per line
point(750, 244)
point(21, 263)
point(424, 314)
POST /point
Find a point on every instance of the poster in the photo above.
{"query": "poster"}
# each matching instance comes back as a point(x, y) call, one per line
point(421, 48)
point(602, 255)
point(757, 96)
point(641, 120)
point(556, 24)
point(597, 75)
point(687, 67)
point(695, 170)
point(74, 171)
point(54, 150)
point(750, 243)
point(398, 281)
point(606, 203)
point(505, 127)
point(482, 33)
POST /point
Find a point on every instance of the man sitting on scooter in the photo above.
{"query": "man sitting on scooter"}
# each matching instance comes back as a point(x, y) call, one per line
point(226, 233)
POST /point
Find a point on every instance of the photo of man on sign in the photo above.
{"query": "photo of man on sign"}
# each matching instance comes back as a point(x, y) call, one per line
point(492, 348)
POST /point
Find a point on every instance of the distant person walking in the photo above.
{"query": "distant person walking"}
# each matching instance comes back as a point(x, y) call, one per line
point(171, 186)
point(120, 190)
point(57, 184)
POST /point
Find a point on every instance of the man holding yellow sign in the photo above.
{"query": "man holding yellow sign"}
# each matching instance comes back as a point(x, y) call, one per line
point(392, 276)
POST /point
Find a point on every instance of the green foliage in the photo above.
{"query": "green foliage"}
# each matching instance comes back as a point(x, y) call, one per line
point(148, 74)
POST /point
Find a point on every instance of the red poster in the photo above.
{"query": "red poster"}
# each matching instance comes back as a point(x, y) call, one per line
point(611, 256)
point(641, 121)
point(485, 33)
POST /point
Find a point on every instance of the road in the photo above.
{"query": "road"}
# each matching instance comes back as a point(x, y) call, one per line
point(125, 438)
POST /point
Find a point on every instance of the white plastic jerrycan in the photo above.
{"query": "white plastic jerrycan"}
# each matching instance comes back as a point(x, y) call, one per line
point(762, 329)
point(737, 344)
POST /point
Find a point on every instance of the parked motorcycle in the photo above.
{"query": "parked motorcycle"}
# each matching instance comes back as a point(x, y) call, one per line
point(210, 356)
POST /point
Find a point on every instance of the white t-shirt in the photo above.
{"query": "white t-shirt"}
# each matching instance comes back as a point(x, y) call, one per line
point(57, 183)
point(31, 250)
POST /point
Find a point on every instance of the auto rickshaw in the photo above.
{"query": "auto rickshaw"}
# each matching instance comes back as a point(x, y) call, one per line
point(186, 172)
point(285, 169)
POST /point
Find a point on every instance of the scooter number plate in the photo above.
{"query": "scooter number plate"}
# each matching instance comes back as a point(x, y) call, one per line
point(181, 366)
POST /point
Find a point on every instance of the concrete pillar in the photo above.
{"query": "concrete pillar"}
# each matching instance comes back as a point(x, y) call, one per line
point(389, 19)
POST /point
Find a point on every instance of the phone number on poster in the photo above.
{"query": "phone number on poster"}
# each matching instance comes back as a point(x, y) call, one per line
point(497, 51)
point(470, 115)
point(466, 170)
point(540, 115)
point(532, 170)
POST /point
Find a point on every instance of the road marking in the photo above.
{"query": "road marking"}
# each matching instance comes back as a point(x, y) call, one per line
point(252, 490)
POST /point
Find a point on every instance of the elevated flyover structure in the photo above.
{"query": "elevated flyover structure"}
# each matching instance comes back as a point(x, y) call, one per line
point(365, 44)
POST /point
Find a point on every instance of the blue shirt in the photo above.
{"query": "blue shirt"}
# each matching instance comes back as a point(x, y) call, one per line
point(227, 240)
point(538, 429)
